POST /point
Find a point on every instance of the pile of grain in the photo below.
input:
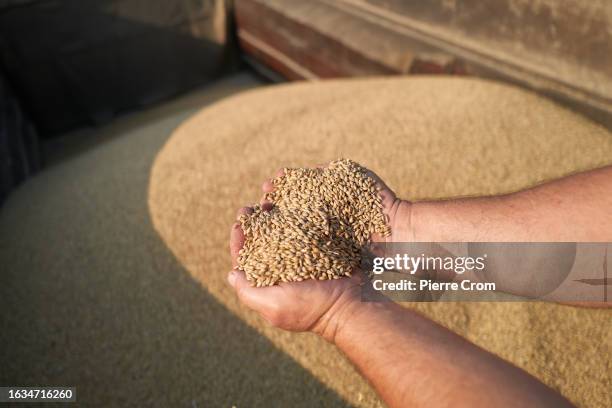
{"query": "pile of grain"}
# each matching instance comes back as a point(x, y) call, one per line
point(320, 221)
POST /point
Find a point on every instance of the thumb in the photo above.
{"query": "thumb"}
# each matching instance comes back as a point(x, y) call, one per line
point(259, 299)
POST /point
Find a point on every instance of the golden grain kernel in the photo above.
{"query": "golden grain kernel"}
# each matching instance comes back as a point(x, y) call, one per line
point(320, 220)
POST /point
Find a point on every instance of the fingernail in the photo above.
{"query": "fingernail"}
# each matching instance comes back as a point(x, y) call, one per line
point(231, 278)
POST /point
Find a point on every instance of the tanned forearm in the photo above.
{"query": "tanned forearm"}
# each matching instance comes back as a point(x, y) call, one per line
point(577, 208)
point(414, 362)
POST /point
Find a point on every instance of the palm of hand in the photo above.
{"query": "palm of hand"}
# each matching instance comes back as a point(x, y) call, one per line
point(297, 306)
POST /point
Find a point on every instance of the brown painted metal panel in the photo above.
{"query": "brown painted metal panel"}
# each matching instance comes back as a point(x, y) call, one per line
point(562, 52)
point(316, 51)
point(571, 39)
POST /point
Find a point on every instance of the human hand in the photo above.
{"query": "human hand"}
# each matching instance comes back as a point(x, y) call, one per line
point(310, 305)
point(397, 211)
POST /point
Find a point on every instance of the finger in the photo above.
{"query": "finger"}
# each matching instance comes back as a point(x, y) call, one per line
point(357, 277)
point(387, 195)
point(377, 238)
point(387, 198)
point(266, 205)
point(267, 186)
point(262, 299)
point(244, 211)
point(237, 236)
point(379, 183)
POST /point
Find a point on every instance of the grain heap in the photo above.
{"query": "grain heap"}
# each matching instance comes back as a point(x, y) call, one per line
point(320, 220)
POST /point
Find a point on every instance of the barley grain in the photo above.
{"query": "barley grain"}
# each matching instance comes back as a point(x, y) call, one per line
point(320, 220)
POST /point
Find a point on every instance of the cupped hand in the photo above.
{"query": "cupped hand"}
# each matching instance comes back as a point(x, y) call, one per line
point(397, 211)
point(310, 305)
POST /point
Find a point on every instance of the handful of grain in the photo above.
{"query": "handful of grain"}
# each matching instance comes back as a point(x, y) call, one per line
point(320, 221)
